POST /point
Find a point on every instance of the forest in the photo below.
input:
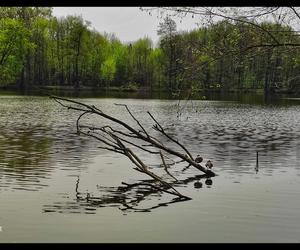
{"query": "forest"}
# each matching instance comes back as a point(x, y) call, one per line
point(38, 49)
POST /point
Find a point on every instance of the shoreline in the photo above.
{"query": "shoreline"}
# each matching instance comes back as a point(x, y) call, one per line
point(132, 90)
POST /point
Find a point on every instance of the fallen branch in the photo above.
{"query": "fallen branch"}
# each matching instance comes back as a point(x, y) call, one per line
point(113, 140)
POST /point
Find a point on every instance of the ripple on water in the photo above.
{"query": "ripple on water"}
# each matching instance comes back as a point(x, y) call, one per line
point(41, 138)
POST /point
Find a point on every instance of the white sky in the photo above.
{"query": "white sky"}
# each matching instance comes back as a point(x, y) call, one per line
point(127, 23)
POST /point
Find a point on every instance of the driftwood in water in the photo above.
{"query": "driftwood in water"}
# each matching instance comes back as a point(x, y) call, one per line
point(123, 139)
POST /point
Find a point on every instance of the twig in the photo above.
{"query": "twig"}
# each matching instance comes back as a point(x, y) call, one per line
point(165, 166)
point(124, 105)
point(159, 128)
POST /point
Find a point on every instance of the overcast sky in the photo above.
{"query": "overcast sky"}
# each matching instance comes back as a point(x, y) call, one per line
point(128, 23)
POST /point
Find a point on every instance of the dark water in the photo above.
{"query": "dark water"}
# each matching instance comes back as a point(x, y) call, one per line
point(56, 186)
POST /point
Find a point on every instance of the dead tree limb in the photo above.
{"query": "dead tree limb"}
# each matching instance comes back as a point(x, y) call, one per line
point(159, 128)
point(144, 130)
point(113, 140)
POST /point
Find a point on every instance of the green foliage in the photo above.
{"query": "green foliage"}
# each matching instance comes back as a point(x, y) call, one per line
point(37, 48)
point(108, 69)
point(13, 41)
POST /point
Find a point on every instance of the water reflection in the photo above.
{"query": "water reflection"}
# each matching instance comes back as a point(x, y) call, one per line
point(137, 197)
point(37, 139)
point(232, 133)
point(29, 154)
point(256, 166)
point(208, 182)
point(246, 98)
point(198, 184)
point(24, 157)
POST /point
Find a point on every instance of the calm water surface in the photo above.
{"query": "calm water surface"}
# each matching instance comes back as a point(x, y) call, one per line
point(47, 173)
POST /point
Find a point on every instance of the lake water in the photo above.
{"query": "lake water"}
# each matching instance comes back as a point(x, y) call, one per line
point(47, 173)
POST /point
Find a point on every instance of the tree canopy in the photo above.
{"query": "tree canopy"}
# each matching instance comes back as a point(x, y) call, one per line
point(233, 48)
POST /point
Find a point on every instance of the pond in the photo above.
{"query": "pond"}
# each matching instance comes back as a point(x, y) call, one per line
point(47, 173)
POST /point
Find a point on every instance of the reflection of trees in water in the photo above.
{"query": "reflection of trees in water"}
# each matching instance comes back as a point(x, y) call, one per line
point(24, 157)
point(72, 151)
point(112, 94)
point(129, 197)
point(29, 154)
point(24, 149)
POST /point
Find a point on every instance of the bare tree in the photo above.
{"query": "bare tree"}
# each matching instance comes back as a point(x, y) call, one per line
point(269, 37)
point(253, 16)
point(167, 31)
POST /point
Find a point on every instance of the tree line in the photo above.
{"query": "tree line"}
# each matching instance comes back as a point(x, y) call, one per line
point(39, 49)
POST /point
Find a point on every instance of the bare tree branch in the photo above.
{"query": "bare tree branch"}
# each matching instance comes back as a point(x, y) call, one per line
point(133, 117)
point(166, 167)
point(148, 139)
point(296, 13)
point(159, 128)
point(113, 140)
